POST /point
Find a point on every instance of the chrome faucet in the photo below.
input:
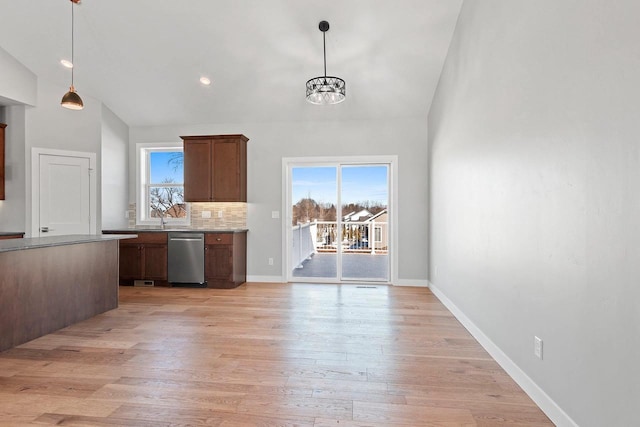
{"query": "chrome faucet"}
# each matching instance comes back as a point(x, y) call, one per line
point(162, 220)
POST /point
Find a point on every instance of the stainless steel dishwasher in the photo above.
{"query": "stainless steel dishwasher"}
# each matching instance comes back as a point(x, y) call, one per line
point(186, 258)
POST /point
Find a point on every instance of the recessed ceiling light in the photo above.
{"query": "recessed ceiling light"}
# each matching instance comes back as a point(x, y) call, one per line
point(205, 81)
point(66, 63)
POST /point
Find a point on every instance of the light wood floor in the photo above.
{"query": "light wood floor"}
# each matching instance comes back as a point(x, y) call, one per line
point(263, 355)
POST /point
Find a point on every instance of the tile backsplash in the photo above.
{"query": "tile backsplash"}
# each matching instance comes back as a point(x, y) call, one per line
point(233, 216)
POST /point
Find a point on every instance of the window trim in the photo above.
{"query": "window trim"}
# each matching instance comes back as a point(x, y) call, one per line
point(143, 179)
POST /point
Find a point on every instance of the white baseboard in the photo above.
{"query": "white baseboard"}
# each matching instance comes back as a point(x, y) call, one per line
point(548, 406)
point(416, 283)
point(280, 279)
point(265, 279)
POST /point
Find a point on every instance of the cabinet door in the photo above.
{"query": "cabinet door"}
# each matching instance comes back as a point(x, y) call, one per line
point(197, 170)
point(226, 171)
point(130, 261)
point(219, 263)
point(155, 262)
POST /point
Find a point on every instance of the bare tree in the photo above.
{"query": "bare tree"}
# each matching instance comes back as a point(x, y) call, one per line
point(167, 201)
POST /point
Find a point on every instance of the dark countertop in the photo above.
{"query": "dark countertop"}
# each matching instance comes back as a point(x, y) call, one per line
point(182, 230)
point(44, 242)
point(11, 233)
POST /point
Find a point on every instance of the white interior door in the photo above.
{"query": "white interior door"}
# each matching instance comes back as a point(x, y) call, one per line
point(64, 195)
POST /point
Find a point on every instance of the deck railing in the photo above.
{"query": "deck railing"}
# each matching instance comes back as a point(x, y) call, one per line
point(303, 246)
point(324, 236)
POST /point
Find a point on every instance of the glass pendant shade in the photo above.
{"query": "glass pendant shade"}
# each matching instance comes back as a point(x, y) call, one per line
point(72, 100)
point(326, 90)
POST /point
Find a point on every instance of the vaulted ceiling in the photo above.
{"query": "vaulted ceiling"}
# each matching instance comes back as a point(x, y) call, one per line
point(144, 58)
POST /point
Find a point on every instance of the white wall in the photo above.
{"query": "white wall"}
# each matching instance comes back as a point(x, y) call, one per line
point(17, 82)
point(535, 169)
point(269, 143)
point(50, 126)
point(115, 170)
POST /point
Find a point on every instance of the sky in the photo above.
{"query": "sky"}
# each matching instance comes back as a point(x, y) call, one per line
point(359, 183)
point(161, 168)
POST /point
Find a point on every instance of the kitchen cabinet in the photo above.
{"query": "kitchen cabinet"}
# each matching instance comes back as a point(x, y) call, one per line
point(2, 127)
point(11, 235)
point(144, 258)
point(215, 168)
point(225, 259)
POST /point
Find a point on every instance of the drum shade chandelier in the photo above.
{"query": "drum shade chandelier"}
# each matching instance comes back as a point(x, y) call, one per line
point(325, 89)
point(71, 99)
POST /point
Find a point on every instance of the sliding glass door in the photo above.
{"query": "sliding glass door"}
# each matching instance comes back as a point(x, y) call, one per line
point(364, 200)
point(339, 228)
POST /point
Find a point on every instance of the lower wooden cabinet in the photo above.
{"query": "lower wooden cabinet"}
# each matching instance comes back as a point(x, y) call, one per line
point(4, 236)
point(144, 258)
point(225, 259)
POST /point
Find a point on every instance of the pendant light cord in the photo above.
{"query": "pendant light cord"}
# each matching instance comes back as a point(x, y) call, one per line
point(72, 47)
point(324, 50)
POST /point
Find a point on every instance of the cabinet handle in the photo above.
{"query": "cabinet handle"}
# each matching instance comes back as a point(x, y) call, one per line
point(218, 239)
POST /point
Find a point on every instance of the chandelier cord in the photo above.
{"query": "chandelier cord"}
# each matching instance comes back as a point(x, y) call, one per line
point(324, 49)
point(73, 64)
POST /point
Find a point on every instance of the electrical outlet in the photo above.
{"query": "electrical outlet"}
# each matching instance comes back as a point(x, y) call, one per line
point(270, 261)
point(537, 347)
point(275, 214)
point(206, 214)
point(220, 214)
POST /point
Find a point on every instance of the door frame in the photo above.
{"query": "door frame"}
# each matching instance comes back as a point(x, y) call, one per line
point(289, 162)
point(35, 185)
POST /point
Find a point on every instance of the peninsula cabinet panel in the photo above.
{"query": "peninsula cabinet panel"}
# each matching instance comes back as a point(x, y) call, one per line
point(2, 126)
point(215, 168)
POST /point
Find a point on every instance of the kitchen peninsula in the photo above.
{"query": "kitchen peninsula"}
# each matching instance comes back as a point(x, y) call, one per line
point(49, 283)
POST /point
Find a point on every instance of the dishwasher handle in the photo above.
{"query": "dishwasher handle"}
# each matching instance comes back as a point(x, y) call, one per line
point(187, 239)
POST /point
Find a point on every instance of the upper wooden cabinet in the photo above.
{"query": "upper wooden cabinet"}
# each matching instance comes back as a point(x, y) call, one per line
point(215, 168)
point(2, 126)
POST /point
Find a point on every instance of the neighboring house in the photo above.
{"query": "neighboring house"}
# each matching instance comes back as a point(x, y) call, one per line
point(380, 230)
point(359, 216)
point(360, 226)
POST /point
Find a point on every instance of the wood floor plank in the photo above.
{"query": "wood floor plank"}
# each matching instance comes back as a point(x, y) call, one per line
point(392, 414)
point(263, 355)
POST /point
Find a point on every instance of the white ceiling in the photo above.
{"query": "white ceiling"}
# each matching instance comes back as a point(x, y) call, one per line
point(143, 58)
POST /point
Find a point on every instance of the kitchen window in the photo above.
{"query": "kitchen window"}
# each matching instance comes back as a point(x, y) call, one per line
point(161, 185)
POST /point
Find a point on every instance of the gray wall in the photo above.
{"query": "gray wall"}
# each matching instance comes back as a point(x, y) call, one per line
point(270, 142)
point(51, 126)
point(115, 170)
point(18, 83)
point(535, 169)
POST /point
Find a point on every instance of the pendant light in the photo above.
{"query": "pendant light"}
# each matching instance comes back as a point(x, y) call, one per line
point(71, 99)
point(325, 89)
